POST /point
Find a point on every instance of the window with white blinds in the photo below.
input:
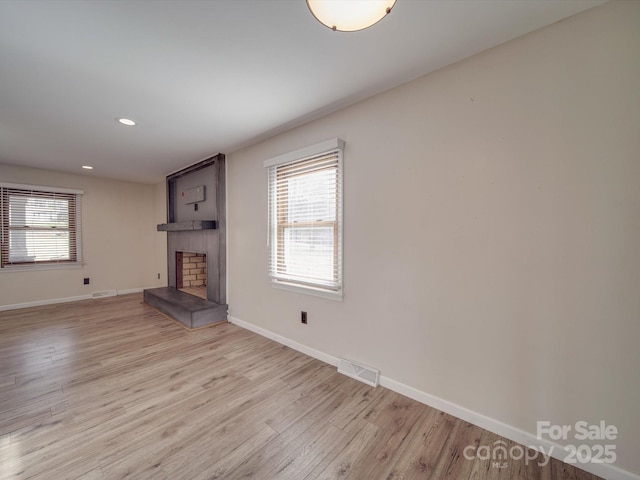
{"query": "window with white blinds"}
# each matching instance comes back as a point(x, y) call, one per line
point(39, 225)
point(305, 219)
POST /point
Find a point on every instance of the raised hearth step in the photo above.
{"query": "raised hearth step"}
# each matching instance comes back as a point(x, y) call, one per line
point(187, 309)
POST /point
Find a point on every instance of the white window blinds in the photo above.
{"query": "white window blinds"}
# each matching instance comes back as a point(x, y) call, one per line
point(39, 226)
point(305, 218)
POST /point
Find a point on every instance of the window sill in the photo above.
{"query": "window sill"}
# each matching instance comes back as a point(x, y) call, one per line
point(316, 292)
point(33, 268)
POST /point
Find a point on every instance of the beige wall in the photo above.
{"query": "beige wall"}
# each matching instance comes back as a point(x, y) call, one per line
point(492, 230)
point(121, 247)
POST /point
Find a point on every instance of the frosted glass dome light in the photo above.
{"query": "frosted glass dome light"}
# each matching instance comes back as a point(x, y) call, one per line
point(350, 15)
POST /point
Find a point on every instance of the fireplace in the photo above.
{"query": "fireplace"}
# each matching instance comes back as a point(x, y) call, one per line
point(191, 273)
point(196, 246)
point(196, 224)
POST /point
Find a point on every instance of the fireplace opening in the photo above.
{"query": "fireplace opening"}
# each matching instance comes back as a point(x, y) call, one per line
point(191, 273)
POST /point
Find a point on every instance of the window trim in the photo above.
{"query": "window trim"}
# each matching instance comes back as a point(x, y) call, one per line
point(76, 256)
point(315, 289)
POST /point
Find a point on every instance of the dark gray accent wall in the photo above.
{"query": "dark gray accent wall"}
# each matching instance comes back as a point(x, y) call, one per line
point(212, 242)
point(208, 209)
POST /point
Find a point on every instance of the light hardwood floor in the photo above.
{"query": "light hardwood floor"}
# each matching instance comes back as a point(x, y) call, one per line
point(111, 389)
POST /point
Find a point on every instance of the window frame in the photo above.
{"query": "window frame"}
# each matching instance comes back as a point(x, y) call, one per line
point(73, 228)
point(278, 221)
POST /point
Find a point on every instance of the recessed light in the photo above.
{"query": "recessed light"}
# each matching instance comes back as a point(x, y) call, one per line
point(126, 121)
point(87, 167)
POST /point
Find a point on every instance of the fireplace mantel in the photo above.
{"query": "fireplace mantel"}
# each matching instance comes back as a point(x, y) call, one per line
point(190, 226)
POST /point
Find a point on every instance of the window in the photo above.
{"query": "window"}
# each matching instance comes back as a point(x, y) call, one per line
point(305, 219)
point(39, 225)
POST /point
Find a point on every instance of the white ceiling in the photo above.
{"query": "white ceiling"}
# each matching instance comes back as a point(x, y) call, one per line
point(208, 76)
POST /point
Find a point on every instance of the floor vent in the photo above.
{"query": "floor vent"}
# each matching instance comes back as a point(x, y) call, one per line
point(106, 293)
point(358, 371)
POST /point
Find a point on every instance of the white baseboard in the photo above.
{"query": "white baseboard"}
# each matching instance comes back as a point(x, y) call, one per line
point(312, 352)
point(607, 471)
point(132, 290)
point(53, 301)
point(38, 303)
point(604, 470)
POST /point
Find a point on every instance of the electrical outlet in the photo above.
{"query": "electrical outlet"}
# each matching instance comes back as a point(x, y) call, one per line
point(87, 280)
point(303, 317)
point(158, 276)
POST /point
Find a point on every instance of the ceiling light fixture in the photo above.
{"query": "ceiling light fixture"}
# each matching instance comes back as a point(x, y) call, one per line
point(87, 167)
point(126, 121)
point(349, 15)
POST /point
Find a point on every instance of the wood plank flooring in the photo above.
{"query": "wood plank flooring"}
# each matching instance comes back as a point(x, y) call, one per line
point(111, 389)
